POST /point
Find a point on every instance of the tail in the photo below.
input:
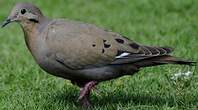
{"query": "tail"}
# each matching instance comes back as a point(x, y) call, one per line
point(161, 60)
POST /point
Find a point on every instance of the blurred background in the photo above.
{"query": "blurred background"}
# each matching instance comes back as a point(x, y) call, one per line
point(23, 85)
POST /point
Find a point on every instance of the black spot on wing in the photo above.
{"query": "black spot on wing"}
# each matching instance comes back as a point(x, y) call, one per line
point(134, 45)
point(103, 50)
point(107, 45)
point(121, 41)
point(93, 45)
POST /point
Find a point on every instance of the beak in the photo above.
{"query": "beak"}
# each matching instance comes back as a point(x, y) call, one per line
point(6, 22)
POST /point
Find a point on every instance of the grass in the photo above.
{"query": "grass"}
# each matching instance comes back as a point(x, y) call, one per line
point(24, 86)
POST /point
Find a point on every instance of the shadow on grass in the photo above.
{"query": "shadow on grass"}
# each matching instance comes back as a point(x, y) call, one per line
point(134, 99)
point(69, 98)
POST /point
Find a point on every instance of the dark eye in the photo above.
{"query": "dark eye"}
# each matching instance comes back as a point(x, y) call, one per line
point(23, 11)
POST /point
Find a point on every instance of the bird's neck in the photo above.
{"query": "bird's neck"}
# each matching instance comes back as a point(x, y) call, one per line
point(30, 27)
point(32, 31)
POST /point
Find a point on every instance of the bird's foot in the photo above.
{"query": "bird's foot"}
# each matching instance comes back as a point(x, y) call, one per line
point(85, 102)
point(85, 92)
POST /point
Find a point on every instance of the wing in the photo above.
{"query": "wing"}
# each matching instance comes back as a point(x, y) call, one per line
point(78, 46)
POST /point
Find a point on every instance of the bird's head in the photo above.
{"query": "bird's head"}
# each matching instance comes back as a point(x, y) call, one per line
point(24, 13)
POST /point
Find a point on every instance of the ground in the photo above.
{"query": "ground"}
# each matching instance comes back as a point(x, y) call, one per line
point(23, 85)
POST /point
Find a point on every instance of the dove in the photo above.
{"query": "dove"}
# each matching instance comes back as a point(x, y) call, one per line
point(84, 53)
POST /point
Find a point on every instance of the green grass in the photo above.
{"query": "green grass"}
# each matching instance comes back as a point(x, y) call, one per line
point(24, 86)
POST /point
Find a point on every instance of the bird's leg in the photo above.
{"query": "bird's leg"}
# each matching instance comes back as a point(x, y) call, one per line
point(85, 92)
point(84, 99)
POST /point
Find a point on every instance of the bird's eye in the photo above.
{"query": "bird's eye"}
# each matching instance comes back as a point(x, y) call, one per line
point(23, 11)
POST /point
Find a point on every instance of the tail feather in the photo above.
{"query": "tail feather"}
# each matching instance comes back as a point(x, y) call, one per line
point(160, 60)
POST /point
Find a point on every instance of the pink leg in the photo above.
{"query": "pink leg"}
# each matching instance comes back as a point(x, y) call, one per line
point(85, 92)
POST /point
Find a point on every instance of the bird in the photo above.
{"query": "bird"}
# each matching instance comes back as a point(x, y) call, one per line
point(84, 53)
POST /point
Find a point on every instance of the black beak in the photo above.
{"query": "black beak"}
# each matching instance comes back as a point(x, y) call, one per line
point(6, 22)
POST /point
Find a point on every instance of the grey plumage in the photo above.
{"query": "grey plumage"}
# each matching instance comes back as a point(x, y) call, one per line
point(83, 52)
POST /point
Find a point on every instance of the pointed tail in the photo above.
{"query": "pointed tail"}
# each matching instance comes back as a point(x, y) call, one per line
point(165, 59)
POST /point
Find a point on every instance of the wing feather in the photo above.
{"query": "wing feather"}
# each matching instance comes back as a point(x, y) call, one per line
point(81, 46)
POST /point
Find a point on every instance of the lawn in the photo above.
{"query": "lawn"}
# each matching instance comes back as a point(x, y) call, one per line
point(174, 23)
